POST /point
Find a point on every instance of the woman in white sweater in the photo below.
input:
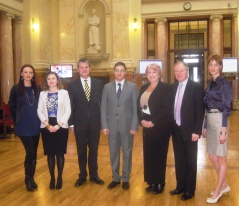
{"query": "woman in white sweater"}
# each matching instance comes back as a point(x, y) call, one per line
point(54, 110)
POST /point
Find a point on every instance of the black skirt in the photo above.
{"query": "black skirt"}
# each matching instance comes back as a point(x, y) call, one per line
point(54, 142)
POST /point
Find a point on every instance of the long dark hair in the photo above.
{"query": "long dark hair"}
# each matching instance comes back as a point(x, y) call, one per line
point(21, 87)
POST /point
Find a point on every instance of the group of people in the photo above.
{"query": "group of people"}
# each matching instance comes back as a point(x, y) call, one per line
point(182, 110)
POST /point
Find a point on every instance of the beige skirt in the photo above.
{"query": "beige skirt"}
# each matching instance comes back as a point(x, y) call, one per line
point(214, 125)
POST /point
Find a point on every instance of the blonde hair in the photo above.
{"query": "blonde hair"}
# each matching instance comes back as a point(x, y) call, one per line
point(154, 67)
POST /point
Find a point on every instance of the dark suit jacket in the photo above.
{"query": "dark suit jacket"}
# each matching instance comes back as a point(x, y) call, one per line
point(159, 103)
point(85, 113)
point(192, 109)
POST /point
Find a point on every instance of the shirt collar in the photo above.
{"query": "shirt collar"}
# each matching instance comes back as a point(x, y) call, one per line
point(122, 82)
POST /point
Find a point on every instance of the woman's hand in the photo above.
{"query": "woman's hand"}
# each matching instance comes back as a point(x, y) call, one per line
point(222, 138)
point(147, 124)
point(204, 133)
point(56, 127)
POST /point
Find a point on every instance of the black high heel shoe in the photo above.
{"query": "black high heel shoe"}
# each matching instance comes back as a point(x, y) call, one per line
point(52, 184)
point(159, 188)
point(59, 184)
point(150, 188)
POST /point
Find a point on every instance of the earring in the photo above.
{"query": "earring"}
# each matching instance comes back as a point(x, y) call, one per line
point(32, 80)
point(22, 78)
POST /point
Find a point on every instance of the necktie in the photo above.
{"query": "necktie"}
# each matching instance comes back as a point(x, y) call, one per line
point(119, 91)
point(87, 90)
point(177, 113)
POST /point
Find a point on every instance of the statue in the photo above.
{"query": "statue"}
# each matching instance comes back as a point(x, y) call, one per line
point(94, 39)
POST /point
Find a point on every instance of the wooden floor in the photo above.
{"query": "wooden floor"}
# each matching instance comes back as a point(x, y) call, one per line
point(13, 191)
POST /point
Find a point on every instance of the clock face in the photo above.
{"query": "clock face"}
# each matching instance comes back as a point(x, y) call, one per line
point(187, 6)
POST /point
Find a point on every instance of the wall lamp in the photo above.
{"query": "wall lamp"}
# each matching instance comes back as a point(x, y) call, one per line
point(35, 25)
point(135, 25)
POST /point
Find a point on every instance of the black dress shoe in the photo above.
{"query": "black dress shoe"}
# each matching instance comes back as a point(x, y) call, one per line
point(80, 182)
point(97, 180)
point(177, 191)
point(150, 188)
point(52, 184)
point(159, 188)
point(113, 184)
point(187, 196)
point(59, 184)
point(125, 185)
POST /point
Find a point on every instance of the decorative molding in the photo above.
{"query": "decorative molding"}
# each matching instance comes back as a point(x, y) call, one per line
point(95, 57)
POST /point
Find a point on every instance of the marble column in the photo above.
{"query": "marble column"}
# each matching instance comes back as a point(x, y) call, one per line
point(17, 47)
point(216, 34)
point(235, 35)
point(144, 42)
point(120, 35)
point(7, 55)
point(161, 47)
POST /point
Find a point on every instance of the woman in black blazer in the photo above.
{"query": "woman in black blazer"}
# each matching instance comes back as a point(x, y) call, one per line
point(23, 103)
point(154, 116)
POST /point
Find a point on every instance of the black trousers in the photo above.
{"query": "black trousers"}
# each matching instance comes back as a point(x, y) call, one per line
point(87, 139)
point(185, 154)
point(30, 144)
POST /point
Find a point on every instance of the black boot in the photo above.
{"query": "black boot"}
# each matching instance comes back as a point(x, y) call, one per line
point(28, 181)
point(34, 184)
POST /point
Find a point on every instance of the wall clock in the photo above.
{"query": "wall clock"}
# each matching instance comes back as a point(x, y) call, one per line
point(187, 6)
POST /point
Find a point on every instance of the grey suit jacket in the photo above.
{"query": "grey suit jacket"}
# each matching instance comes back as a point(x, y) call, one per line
point(119, 116)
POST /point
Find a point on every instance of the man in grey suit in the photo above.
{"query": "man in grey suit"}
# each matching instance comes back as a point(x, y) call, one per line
point(119, 121)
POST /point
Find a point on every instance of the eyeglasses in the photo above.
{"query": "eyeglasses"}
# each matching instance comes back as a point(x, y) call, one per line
point(119, 71)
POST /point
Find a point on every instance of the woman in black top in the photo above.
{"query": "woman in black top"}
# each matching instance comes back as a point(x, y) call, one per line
point(154, 108)
point(218, 98)
point(23, 102)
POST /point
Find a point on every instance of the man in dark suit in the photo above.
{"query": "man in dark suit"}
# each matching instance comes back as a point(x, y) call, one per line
point(85, 95)
point(120, 122)
point(188, 117)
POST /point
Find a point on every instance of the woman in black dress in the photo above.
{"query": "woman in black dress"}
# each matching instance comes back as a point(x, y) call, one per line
point(154, 116)
point(23, 103)
point(54, 110)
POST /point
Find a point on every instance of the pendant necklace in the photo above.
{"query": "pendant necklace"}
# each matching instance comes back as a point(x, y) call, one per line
point(29, 99)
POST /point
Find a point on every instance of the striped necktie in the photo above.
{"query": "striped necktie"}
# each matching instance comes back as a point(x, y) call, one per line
point(87, 90)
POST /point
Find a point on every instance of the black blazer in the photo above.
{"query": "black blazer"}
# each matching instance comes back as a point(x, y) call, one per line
point(159, 104)
point(84, 113)
point(16, 103)
point(192, 109)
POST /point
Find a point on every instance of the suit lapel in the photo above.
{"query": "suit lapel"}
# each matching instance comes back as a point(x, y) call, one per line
point(186, 91)
point(113, 91)
point(124, 90)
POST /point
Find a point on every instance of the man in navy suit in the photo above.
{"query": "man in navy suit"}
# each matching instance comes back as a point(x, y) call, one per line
point(188, 114)
point(85, 95)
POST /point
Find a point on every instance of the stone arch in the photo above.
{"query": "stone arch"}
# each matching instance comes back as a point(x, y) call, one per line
point(81, 9)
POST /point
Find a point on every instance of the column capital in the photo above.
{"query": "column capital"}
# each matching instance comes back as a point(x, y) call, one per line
point(216, 17)
point(235, 16)
point(18, 19)
point(161, 20)
point(7, 16)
